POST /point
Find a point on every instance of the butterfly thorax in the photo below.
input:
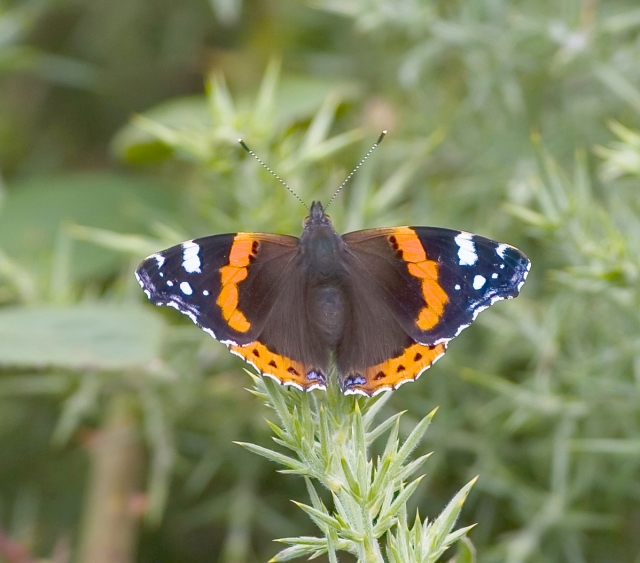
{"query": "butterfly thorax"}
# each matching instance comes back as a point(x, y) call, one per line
point(321, 246)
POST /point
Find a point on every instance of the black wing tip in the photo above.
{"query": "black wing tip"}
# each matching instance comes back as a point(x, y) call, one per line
point(144, 274)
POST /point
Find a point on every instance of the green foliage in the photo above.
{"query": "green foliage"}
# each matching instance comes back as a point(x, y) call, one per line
point(96, 337)
point(622, 158)
point(37, 219)
point(516, 120)
point(330, 435)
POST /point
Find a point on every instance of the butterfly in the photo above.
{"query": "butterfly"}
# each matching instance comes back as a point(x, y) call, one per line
point(379, 304)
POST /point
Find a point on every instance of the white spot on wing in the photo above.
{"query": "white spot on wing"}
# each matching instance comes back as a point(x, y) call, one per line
point(467, 255)
point(501, 249)
point(191, 257)
point(205, 293)
point(478, 282)
point(457, 287)
point(186, 288)
point(170, 283)
point(524, 276)
point(494, 276)
point(159, 259)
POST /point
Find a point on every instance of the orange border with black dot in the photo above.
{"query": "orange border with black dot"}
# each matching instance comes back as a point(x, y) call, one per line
point(394, 372)
point(285, 370)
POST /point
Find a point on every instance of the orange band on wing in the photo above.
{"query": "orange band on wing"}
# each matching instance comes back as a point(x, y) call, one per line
point(406, 241)
point(243, 248)
point(285, 370)
point(394, 372)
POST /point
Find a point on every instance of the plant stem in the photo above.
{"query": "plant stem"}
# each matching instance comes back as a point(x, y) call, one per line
point(110, 528)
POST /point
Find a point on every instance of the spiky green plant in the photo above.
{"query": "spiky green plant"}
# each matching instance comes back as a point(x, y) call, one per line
point(330, 435)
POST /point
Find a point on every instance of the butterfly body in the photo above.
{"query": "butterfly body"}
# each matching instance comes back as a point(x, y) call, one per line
point(381, 303)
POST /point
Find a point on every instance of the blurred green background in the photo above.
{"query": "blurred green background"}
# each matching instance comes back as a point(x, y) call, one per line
point(118, 124)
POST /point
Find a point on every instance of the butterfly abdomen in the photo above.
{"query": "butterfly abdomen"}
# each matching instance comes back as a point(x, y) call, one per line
point(327, 308)
point(322, 251)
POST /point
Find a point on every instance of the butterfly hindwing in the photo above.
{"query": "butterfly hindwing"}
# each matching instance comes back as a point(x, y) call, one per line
point(406, 364)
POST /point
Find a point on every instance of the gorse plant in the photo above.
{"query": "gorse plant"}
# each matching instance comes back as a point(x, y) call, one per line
point(330, 436)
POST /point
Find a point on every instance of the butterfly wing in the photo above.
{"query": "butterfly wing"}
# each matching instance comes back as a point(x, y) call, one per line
point(228, 285)
point(410, 291)
point(434, 282)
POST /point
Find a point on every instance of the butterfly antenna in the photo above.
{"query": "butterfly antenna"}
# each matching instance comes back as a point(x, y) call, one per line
point(357, 167)
point(254, 155)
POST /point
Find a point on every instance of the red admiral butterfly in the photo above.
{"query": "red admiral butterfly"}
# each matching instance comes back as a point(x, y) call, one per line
point(381, 303)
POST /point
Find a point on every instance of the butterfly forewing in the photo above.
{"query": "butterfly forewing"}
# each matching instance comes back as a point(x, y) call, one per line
point(208, 280)
point(438, 280)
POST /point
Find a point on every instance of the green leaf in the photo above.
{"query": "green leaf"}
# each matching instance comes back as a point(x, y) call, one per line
point(305, 540)
point(37, 209)
point(352, 480)
point(413, 466)
point(320, 125)
point(293, 552)
point(414, 438)
point(386, 516)
point(136, 145)
point(282, 459)
point(83, 337)
point(383, 476)
point(383, 427)
point(313, 495)
point(441, 527)
point(321, 518)
point(221, 104)
point(267, 94)
point(372, 407)
point(466, 551)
